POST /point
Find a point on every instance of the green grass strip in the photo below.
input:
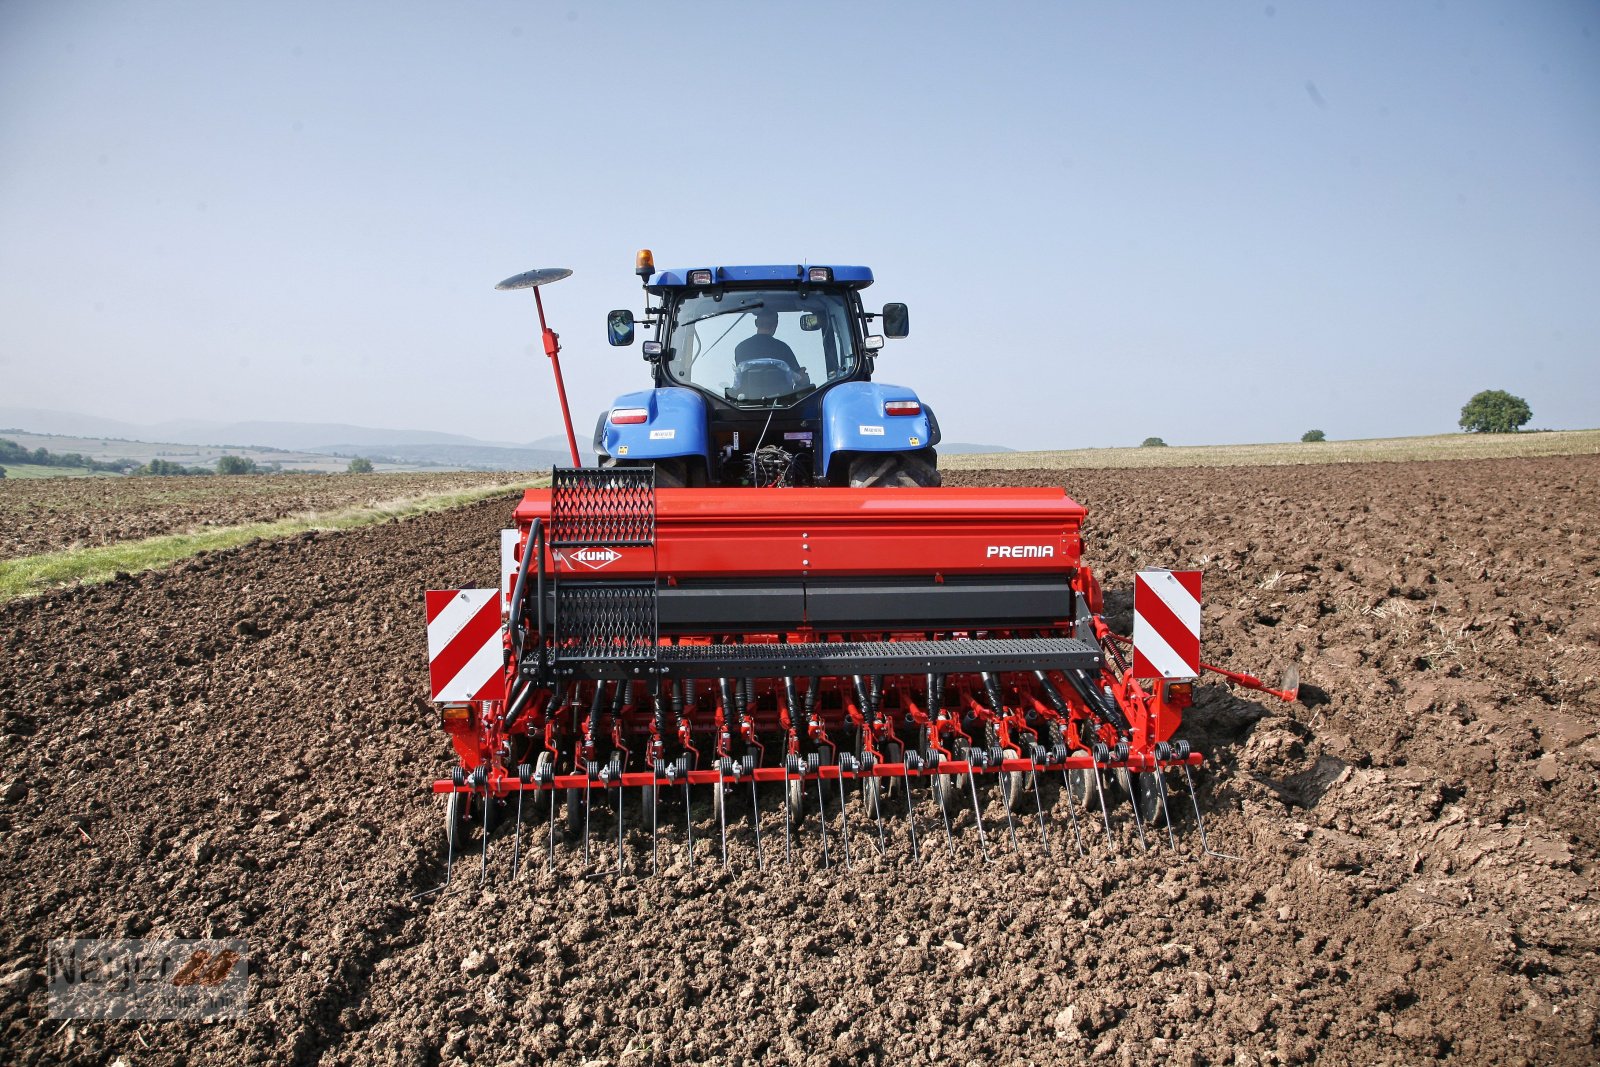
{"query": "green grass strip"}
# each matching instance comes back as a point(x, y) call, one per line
point(31, 575)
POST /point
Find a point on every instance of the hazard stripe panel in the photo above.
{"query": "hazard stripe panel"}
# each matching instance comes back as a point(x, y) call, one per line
point(466, 647)
point(1166, 624)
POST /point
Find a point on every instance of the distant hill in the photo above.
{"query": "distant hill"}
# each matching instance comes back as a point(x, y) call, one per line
point(474, 457)
point(430, 448)
point(293, 436)
point(960, 448)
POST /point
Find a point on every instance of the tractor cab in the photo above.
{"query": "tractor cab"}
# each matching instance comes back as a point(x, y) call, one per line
point(763, 376)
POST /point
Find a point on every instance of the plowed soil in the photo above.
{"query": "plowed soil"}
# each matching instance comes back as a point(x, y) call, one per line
point(48, 514)
point(237, 748)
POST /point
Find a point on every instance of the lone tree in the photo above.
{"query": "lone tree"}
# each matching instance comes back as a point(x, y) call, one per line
point(1495, 411)
point(235, 465)
point(1313, 435)
point(1152, 442)
point(360, 465)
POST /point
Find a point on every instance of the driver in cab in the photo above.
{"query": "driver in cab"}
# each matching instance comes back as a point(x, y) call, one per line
point(763, 345)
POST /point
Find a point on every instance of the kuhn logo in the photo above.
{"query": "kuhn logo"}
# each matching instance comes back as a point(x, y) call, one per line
point(1020, 552)
point(594, 558)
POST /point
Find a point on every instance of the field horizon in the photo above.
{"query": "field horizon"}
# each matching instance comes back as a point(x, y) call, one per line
point(1289, 453)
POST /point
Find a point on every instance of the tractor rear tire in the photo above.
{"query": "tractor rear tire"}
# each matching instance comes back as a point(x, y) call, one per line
point(670, 473)
point(870, 470)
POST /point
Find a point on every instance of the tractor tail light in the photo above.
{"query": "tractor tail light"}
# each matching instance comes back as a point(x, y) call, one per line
point(629, 416)
point(902, 407)
point(1180, 694)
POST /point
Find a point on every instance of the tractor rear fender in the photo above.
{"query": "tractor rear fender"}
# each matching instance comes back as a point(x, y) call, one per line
point(674, 425)
point(858, 417)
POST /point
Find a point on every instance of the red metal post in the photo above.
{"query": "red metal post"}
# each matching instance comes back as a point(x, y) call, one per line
point(552, 346)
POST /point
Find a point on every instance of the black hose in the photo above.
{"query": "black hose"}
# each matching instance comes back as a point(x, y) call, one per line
point(521, 589)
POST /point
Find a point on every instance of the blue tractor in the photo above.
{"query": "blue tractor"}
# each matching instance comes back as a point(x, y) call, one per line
point(763, 377)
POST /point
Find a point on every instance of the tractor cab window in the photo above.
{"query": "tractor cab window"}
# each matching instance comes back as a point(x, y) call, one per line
point(758, 346)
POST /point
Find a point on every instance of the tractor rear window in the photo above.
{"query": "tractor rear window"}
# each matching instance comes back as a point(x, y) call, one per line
point(755, 346)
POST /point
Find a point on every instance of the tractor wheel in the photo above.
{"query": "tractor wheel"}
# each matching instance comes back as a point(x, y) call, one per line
point(670, 473)
point(1012, 783)
point(869, 470)
point(1084, 785)
point(457, 817)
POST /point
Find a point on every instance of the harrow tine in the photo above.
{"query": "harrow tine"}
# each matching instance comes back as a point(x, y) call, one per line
point(755, 812)
point(1038, 799)
point(972, 786)
point(1072, 811)
point(1105, 813)
point(1199, 820)
point(516, 842)
point(822, 822)
point(844, 809)
point(912, 762)
point(524, 773)
point(883, 845)
point(450, 831)
point(688, 822)
point(483, 866)
point(944, 813)
point(1005, 802)
point(788, 814)
point(622, 815)
point(722, 806)
point(550, 864)
point(588, 779)
point(655, 795)
point(1138, 820)
point(1166, 808)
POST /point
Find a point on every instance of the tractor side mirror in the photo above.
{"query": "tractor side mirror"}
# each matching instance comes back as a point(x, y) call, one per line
point(896, 320)
point(619, 327)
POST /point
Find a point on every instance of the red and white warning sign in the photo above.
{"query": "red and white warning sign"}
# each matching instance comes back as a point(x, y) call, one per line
point(1166, 624)
point(466, 653)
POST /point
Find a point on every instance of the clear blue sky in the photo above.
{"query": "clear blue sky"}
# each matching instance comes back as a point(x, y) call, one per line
point(1209, 222)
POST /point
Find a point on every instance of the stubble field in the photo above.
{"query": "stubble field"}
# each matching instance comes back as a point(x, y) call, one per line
point(238, 747)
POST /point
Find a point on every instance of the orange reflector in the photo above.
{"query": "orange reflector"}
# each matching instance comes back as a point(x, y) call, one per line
point(456, 712)
point(902, 407)
point(629, 416)
point(1180, 691)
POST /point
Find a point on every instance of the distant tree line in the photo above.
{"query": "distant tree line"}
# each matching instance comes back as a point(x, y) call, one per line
point(11, 452)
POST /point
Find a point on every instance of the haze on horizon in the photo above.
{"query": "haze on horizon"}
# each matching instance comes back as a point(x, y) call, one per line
point(1209, 223)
